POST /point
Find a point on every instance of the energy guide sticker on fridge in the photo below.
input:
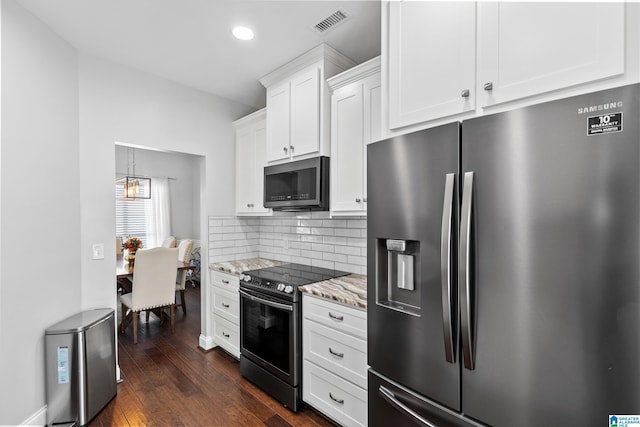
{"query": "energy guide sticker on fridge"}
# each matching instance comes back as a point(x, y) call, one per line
point(63, 365)
point(606, 123)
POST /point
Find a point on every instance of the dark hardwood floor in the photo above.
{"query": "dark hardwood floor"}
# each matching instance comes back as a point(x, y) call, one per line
point(169, 381)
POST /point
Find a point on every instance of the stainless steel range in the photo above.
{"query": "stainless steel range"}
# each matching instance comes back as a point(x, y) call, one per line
point(270, 327)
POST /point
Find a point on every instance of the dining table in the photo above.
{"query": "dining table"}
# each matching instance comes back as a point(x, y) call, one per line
point(124, 270)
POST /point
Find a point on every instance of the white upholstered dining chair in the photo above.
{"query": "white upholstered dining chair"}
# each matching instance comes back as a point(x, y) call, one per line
point(169, 242)
point(153, 286)
point(184, 252)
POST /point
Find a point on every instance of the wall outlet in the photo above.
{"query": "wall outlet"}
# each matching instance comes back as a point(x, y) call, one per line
point(98, 251)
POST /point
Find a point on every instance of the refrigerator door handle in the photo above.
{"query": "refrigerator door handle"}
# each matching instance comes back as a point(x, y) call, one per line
point(464, 272)
point(445, 267)
point(393, 401)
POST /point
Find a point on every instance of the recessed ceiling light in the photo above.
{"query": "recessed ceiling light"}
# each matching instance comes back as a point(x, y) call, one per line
point(242, 33)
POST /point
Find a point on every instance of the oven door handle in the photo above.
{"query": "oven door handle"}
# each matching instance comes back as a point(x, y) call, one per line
point(266, 301)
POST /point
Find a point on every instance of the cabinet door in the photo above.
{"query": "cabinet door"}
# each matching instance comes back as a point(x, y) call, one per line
point(347, 147)
point(305, 113)
point(431, 60)
point(372, 121)
point(527, 49)
point(260, 161)
point(278, 108)
point(244, 173)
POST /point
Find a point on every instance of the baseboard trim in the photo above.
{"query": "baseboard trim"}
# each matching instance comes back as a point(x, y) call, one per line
point(206, 343)
point(37, 419)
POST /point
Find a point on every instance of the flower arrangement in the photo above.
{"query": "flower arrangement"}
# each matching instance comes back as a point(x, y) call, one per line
point(132, 244)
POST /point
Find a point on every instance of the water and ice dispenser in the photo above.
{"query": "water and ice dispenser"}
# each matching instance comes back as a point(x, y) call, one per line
point(396, 281)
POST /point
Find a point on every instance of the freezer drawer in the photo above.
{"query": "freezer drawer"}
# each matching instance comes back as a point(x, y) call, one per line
point(391, 404)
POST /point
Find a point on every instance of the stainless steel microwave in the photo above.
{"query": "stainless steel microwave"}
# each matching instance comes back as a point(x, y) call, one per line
point(299, 185)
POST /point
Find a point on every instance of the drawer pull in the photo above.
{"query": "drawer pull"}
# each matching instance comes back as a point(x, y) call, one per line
point(340, 355)
point(226, 282)
point(226, 335)
point(338, 401)
point(338, 318)
point(225, 305)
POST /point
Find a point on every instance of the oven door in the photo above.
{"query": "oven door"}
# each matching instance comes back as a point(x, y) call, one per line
point(270, 335)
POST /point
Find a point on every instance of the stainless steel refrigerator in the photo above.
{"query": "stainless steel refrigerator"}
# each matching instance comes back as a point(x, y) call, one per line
point(503, 268)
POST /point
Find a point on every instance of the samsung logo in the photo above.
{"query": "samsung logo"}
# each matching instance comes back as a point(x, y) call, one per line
point(599, 107)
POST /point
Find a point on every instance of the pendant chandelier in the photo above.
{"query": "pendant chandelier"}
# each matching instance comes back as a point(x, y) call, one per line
point(134, 187)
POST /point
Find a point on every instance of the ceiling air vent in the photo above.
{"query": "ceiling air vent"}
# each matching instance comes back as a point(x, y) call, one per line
point(331, 21)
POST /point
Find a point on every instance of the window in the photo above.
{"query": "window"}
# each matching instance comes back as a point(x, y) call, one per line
point(147, 219)
point(130, 217)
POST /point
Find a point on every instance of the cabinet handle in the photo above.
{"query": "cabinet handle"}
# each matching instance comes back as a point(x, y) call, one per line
point(292, 148)
point(338, 401)
point(488, 86)
point(285, 149)
point(226, 335)
point(338, 318)
point(226, 282)
point(465, 93)
point(248, 205)
point(336, 354)
point(225, 305)
point(358, 200)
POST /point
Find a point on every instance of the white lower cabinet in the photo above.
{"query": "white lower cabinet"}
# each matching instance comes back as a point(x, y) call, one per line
point(334, 367)
point(225, 303)
point(333, 396)
point(227, 335)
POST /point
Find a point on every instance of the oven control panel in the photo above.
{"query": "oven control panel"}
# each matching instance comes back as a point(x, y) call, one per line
point(267, 284)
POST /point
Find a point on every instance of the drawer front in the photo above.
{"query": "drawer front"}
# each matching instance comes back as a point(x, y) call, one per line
point(335, 351)
point(226, 304)
point(340, 317)
point(226, 335)
point(333, 396)
point(226, 281)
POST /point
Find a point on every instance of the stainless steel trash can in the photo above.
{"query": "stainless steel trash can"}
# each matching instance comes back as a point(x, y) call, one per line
point(80, 366)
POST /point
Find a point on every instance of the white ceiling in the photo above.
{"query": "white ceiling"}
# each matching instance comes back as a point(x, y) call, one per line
point(190, 41)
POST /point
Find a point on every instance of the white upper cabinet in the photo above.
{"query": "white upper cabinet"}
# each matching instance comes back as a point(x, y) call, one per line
point(431, 60)
point(531, 48)
point(453, 60)
point(305, 113)
point(355, 122)
point(298, 105)
point(279, 107)
point(251, 138)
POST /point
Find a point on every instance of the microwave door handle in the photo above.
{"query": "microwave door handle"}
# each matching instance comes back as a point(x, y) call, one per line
point(266, 302)
point(448, 312)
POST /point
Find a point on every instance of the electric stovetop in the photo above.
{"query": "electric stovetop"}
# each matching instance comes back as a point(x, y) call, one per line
point(283, 280)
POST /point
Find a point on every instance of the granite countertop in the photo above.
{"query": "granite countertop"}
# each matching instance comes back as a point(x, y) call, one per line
point(241, 265)
point(350, 289)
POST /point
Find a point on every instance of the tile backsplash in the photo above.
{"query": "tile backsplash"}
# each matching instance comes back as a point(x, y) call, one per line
point(310, 238)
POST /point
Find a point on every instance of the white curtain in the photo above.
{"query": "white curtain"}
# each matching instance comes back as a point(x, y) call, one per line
point(158, 212)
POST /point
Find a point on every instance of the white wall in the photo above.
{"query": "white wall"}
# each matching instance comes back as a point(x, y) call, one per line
point(62, 113)
point(124, 105)
point(184, 184)
point(40, 276)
